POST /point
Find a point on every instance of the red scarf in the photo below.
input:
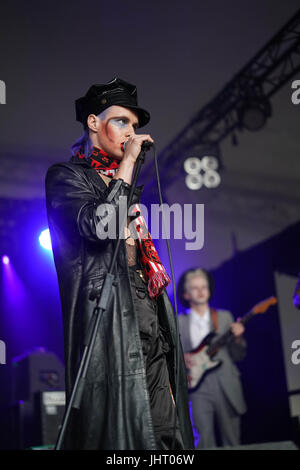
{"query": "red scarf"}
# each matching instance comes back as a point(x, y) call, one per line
point(154, 271)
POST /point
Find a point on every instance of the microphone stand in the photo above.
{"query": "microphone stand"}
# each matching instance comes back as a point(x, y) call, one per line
point(101, 306)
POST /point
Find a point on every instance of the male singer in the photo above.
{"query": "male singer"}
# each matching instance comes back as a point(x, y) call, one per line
point(129, 396)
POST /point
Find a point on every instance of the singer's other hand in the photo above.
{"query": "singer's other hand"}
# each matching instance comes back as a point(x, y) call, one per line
point(133, 146)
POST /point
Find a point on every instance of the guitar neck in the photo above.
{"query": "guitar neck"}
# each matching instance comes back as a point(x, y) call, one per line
point(225, 337)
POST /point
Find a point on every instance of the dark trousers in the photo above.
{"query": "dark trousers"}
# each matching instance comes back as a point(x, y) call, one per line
point(155, 349)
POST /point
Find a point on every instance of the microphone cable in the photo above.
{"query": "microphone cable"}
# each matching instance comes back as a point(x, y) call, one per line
point(176, 355)
point(146, 145)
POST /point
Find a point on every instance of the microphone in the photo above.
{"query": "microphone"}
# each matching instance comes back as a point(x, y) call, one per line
point(146, 145)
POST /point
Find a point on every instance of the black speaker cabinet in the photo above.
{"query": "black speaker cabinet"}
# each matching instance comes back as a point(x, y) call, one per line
point(36, 371)
point(38, 423)
point(49, 408)
point(38, 398)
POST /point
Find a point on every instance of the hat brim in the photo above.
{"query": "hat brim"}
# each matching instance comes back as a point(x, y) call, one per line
point(143, 115)
point(84, 108)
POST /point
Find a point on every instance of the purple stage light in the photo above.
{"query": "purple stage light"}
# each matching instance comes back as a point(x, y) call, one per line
point(5, 259)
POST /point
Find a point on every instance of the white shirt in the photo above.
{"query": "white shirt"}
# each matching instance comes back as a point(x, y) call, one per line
point(199, 327)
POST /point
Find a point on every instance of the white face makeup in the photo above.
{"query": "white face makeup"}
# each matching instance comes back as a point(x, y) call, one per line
point(117, 124)
point(121, 122)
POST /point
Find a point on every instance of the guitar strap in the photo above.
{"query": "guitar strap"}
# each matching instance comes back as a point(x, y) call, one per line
point(214, 316)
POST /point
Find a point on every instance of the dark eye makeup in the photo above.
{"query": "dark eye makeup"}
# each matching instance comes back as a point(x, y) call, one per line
point(125, 120)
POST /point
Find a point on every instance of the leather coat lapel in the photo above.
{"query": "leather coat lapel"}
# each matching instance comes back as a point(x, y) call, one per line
point(91, 174)
point(95, 178)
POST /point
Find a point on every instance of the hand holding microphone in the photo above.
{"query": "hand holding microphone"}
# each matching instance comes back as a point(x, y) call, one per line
point(135, 144)
point(132, 149)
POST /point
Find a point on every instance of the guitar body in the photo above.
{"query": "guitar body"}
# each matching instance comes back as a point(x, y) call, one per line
point(201, 357)
point(202, 363)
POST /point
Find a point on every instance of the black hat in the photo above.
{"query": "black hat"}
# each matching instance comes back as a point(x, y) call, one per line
point(116, 92)
point(181, 283)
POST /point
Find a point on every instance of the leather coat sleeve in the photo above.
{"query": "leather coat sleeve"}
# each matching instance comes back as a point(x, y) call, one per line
point(74, 205)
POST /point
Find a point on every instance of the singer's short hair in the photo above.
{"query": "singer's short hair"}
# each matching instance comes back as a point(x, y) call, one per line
point(84, 141)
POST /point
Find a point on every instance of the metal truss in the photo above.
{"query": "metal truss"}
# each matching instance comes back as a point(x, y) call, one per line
point(269, 70)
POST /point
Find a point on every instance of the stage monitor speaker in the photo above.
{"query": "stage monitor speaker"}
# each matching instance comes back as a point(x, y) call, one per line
point(50, 407)
point(38, 424)
point(37, 397)
point(36, 371)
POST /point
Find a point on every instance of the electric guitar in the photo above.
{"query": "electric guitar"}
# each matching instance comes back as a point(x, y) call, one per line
point(202, 356)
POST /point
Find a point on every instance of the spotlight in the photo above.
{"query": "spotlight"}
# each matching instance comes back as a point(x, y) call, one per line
point(210, 163)
point(254, 113)
point(45, 240)
point(5, 259)
point(202, 172)
point(194, 181)
point(192, 165)
point(211, 179)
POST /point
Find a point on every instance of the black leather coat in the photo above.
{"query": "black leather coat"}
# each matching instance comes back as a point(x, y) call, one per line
point(115, 409)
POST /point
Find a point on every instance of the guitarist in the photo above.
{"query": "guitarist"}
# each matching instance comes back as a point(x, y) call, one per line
point(219, 398)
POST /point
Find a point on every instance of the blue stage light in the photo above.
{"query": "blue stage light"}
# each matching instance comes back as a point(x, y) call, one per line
point(45, 240)
point(5, 259)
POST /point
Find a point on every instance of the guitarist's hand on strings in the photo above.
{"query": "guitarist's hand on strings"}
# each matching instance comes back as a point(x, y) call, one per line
point(237, 329)
point(189, 360)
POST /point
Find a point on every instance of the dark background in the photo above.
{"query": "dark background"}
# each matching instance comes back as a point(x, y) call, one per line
point(180, 55)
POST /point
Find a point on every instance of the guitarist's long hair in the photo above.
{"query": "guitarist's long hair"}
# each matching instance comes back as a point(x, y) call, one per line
point(182, 281)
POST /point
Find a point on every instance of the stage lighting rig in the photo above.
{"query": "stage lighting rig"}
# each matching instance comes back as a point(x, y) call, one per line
point(202, 172)
point(254, 112)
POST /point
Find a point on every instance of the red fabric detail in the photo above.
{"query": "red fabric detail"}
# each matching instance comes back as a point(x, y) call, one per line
point(154, 271)
point(157, 282)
